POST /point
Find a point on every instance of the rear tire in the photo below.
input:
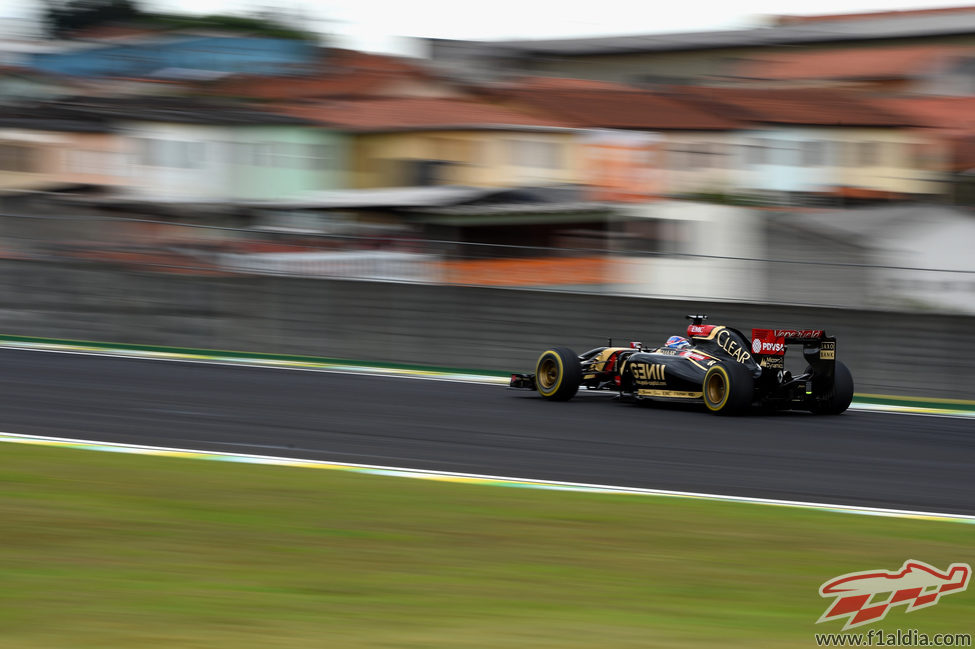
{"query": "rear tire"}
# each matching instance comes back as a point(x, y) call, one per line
point(728, 389)
point(833, 399)
point(558, 374)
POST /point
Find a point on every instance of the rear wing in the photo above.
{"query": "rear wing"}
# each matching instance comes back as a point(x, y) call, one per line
point(819, 350)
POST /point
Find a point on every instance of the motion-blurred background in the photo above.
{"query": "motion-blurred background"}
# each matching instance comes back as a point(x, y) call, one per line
point(819, 160)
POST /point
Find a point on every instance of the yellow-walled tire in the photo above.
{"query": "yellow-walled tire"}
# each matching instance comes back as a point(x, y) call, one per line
point(728, 389)
point(558, 374)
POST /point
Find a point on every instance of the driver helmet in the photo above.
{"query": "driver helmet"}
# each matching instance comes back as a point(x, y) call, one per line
point(677, 342)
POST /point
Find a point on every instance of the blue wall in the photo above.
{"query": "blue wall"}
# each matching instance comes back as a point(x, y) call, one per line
point(236, 54)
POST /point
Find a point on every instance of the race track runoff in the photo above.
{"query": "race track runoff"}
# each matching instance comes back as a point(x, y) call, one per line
point(859, 458)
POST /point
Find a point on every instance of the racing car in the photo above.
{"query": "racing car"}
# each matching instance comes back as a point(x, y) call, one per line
point(715, 365)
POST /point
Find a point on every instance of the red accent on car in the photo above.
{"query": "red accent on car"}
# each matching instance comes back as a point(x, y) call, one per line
point(616, 379)
point(767, 342)
point(610, 362)
point(694, 330)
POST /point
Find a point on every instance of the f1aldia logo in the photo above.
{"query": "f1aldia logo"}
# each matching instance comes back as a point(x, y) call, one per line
point(865, 597)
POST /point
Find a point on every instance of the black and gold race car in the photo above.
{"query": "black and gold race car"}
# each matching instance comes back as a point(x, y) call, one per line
point(715, 365)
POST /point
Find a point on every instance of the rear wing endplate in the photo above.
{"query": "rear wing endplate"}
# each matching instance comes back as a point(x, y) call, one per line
point(818, 349)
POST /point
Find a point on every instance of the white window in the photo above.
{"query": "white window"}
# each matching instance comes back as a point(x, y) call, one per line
point(812, 153)
point(756, 153)
point(325, 156)
point(868, 154)
point(535, 154)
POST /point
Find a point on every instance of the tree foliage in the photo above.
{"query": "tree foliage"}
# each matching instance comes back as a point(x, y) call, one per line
point(62, 18)
point(221, 22)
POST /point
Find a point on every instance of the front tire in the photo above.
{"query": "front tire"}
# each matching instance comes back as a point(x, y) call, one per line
point(728, 389)
point(836, 398)
point(558, 374)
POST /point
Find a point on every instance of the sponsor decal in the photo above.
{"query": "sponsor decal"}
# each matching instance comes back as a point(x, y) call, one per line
point(766, 347)
point(765, 341)
point(694, 356)
point(670, 393)
point(730, 345)
point(699, 330)
point(865, 597)
point(773, 362)
point(797, 333)
point(827, 350)
point(643, 372)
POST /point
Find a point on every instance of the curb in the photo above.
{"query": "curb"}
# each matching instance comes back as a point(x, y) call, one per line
point(283, 361)
point(472, 478)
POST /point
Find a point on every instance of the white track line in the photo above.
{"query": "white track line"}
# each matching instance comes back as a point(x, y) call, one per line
point(469, 478)
point(291, 366)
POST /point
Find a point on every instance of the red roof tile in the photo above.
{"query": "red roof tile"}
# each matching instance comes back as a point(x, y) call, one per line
point(566, 83)
point(413, 113)
point(798, 106)
point(592, 105)
point(341, 74)
point(362, 84)
point(355, 60)
point(952, 114)
point(853, 63)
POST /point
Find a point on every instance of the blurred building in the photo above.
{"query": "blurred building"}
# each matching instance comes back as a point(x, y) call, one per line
point(685, 165)
point(434, 141)
point(224, 151)
point(696, 57)
point(162, 150)
point(638, 145)
point(902, 69)
point(340, 74)
point(47, 147)
point(947, 123)
point(823, 143)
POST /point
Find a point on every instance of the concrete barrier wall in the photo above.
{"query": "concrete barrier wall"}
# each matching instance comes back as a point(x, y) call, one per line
point(497, 329)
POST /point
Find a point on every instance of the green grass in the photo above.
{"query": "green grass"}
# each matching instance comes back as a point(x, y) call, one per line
point(109, 551)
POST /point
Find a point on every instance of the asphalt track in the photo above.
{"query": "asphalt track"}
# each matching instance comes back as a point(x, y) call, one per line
point(859, 458)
